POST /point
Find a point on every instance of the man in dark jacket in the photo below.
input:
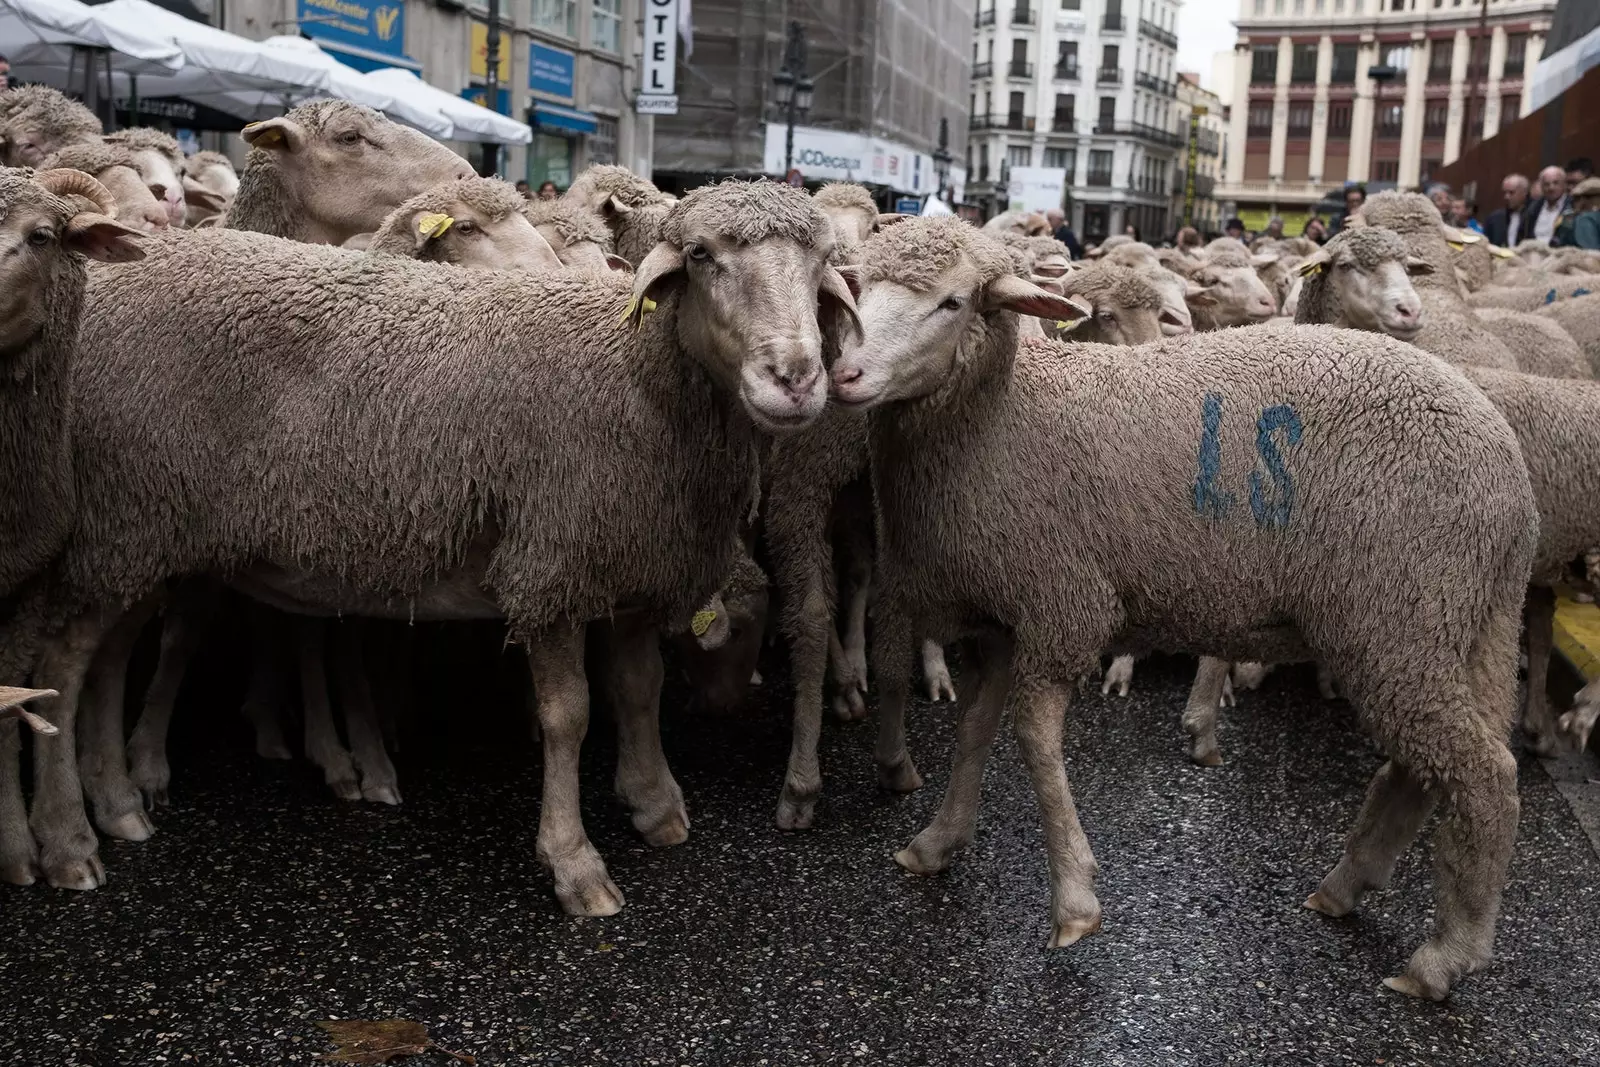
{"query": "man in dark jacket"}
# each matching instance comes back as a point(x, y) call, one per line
point(1510, 224)
point(1061, 229)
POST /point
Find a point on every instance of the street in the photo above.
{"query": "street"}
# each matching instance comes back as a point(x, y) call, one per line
point(263, 905)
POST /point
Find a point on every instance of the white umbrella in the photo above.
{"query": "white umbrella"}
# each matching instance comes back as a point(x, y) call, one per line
point(41, 36)
point(350, 84)
point(472, 123)
point(222, 70)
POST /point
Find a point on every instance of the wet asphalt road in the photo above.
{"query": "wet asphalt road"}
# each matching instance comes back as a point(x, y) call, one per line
point(263, 905)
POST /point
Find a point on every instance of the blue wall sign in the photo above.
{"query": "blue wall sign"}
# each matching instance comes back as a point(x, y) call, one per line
point(908, 205)
point(378, 27)
point(479, 95)
point(550, 70)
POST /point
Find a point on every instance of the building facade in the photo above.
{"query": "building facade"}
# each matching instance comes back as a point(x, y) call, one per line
point(1085, 85)
point(1308, 116)
point(885, 72)
point(567, 67)
point(1203, 123)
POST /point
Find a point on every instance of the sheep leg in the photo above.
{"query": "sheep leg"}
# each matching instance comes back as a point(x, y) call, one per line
point(67, 845)
point(1118, 676)
point(264, 700)
point(555, 659)
point(894, 650)
point(379, 783)
point(1200, 713)
point(322, 739)
point(1074, 909)
point(1393, 812)
point(1578, 723)
point(936, 673)
point(19, 856)
point(643, 780)
point(1539, 622)
point(848, 704)
point(116, 802)
point(953, 827)
point(808, 649)
point(855, 618)
point(183, 627)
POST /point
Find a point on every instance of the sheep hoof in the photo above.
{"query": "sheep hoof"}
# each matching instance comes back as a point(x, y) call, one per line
point(134, 826)
point(1408, 985)
point(381, 794)
point(598, 898)
point(848, 705)
point(19, 870)
point(1209, 757)
point(671, 830)
point(1073, 931)
point(82, 874)
point(900, 776)
point(796, 812)
point(912, 859)
point(155, 797)
point(1319, 903)
point(1576, 726)
point(346, 789)
point(273, 750)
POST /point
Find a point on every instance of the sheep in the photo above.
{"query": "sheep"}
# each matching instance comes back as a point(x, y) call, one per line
point(37, 121)
point(1230, 293)
point(631, 206)
point(1580, 317)
point(159, 161)
point(1448, 327)
point(469, 222)
point(115, 168)
point(1026, 223)
point(209, 186)
point(854, 213)
point(1557, 426)
point(50, 221)
point(1542, 345)
point(1097, 530)
point(417, 478)
point(1125, 308)
point(330, 170)
point(579, 236)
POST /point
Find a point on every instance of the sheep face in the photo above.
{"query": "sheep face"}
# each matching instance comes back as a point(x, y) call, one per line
point(1369, 274)
point(1235, 296)
point(1176, 318)
point(579, 254)
point(720, 678)
point(209, 185)
point(467, 237)
point(161, 177)
point(916, 324)
point(136, 205)
point(44, 219)
point(347, 166)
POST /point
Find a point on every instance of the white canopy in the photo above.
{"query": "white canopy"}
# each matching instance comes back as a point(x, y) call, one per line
point(350, 84)
point(1560, 71)
point(222, 70)
point(472, 123)
point(39, 37)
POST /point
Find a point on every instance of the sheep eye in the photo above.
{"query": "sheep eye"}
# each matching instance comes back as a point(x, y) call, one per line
point(1106, 317)
point(699, 254)
point(1347, 265)
point(39, 238)
point(951, 304)
point(349, 137)
point(467, 228)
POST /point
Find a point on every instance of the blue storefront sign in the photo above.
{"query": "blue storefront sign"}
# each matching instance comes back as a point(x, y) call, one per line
point(479, 95)
point(908, 205)
point(550, 70)
point(365, 35)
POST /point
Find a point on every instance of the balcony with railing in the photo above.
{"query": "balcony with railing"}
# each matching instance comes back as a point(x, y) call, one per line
point(1024, 16)
point(1153, 134)
point(1066, 72)
point(982, 70)
point(982, 18)
point(1100, 178)
point(1113, 24)
point(1156, 33)
point(1204, 185)
point(1155, 84)
point(1013, 121)
point(1019, 68)
point(1064, 122)
point(1109, 76)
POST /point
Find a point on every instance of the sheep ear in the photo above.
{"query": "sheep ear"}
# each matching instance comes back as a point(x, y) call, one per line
point(1171, 318)
point(1457, 238)
point(889, 218)
point(664, 260)
point(612, 206)
point(279, 134)
point(360, 242)
point(710, 625)
point(1416, 266)
point(1011, 293)
point(104, 239)
point(851, 273)
point(201, 197)
point(1263, 259)
point(836, 286)
point(1315, 263)
point(618, 264)
point(428, 226)
point(1094, 253)
point(1198, 295)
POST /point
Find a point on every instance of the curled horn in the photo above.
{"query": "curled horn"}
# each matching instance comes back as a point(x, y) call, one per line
point(64, 183)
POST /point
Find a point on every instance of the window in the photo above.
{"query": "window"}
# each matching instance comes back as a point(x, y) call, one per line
point(1071, 5)
point(1261, 8)
point(1474, 130)
point(1110, 57)
point(1300, 119)
point(1100, 168)
point(1345, 59)
point(1386, 170)
point(1015, 109)
point(1391, 118)
point(1516, 54)
point(1065, 158)
point(1398, 56)
point(1066, 104)
point(1263, 64)
point(1108, 111)
point(1019, 155)
point(983, 163)
point(1260, 117)
point(1019, 50)
point(607, 28)
point(1510, 110)
point(556, 16)
point(1299, 7)
point(1397, 5)
point(1435, 118)
point(549, 159)
point(1478, 61)
point(1429, 166)
point(1440, 54)
point(603, 142)
point(1339, 120)
point(1304, 68)
point(1066, 59)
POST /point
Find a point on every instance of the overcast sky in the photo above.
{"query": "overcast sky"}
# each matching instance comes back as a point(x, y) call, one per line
point(1205, 27)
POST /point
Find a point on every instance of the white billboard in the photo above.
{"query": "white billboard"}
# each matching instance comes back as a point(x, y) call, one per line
point(1036, 188)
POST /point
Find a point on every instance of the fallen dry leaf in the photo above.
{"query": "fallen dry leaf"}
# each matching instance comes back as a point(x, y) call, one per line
point(375, 1041)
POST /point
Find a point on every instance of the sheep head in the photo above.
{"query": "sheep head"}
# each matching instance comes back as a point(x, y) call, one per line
point(1230, 291)
point(338, 168)
point(935, 298)
point(37, 121)
point(1125, 307)
point(114, 167)
point(579, 236)
point(209, 186)
point(47, 219)
point(748, 265)
point(474, 222)
point(159, 163)
point(1361, 280)
point(853, 211)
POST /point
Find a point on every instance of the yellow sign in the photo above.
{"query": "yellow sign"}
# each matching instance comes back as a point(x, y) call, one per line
point(480, 53)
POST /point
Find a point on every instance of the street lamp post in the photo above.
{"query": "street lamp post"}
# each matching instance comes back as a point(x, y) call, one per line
point(941, 158)
point(1381, 75)
point(793, 88)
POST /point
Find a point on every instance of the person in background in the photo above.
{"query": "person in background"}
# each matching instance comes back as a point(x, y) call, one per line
point(548, 191)
point(1464, 215)
point(1354, 197)
point(1439, 193)
point(1578, 170)
point(1131, 230)
point(1274, 228)
point(5, 73)
point(522, 189)
point(1317, 230)
point(1061, 230)
point(1234, 228)
point(1545, 218)
point(1586, 206)
point(1188, 239)
point(1508, 225)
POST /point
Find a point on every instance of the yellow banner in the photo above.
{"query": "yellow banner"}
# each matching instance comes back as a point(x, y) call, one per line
point(480, 53)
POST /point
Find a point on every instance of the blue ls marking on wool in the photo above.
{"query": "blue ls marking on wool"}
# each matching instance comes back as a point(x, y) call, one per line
point(1550, 297)
point(1208, 499)
point(1580, 292)
point(1275, 512)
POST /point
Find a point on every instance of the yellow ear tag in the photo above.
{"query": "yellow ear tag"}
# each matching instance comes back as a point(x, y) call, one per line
point(1457, 245)
point(1501, 253)
point(1310, 269)
point(434, 225)
point(702, 622)
point(1471, 238)
point(649, 305)
point(627, 312)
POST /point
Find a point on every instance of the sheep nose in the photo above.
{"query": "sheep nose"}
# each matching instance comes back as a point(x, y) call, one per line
point(846, 375)
point(797, 380)
point(1407, 312)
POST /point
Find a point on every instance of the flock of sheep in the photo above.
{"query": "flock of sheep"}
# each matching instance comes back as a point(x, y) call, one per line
point(352, 380)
